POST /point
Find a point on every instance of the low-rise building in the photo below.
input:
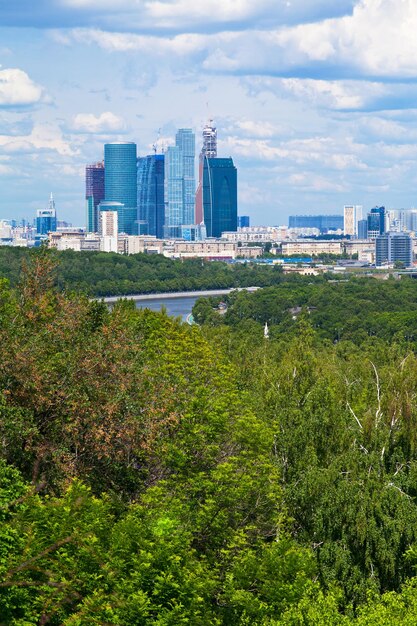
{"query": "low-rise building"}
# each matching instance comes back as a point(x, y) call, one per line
point(312, 248)
point(135, 244)
point(209, 249)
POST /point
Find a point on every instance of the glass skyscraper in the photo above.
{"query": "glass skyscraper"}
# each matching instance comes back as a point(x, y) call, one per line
point(120, 182)
point(94, 193)
point(173, 192)
point(179, 183)
point(151, 206)
point(46, 218)
point(209, 149)
point(219, 196)
point(185, 141)
point(376, 222)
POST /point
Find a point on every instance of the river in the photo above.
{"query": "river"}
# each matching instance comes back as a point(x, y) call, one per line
point(177, 307)
point(177, 304)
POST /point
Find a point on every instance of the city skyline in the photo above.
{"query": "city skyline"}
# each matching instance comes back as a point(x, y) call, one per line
point(314, 103)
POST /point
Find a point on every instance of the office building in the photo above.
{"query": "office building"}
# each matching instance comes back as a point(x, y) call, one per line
point(391, 247)
point(352, 214)
point(208, 150)
point(324, 223)
point(120, 183)
point(151, 207)
point(94, 193)
point(46, 218)
point(193, 232)
point(185, 141)
point(243, 221)
point(376, 222)
point(108, 227)
point(173, 193)
point(219, 196)
point(363, 229)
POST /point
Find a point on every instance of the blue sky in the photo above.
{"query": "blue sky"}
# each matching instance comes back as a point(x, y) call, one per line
point(316, 104)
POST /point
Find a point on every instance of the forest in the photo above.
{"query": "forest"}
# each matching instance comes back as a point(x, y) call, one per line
point(104, 274)
point(156, 473)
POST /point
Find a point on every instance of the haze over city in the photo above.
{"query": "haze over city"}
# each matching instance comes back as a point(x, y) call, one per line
point(314, 100)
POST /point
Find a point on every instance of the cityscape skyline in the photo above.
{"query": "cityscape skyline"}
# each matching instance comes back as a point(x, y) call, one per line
point(316, 108)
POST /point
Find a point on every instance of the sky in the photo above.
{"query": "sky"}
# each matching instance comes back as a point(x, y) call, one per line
point(315, 100)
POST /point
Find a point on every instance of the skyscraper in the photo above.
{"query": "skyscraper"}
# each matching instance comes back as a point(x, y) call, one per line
point(120, 182)
point(208, 150)
point(376, 222)
point(46, 218)
point(173, 192)
point(185, 141)
point(94, 193)
point(219, 196)
point(352, 214)
point(151, 207)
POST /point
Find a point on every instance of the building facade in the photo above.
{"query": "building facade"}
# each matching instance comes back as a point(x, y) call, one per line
point(209, 150)
point(352, 214)
point(46, 221)
point(151, 206)
point(120, 183)
point(185, 141)
point(323, 222)
point(376, 222)
point(219, 196)
point(173, 192)
point(108, 228)
point(94, 193)
point(391, 247)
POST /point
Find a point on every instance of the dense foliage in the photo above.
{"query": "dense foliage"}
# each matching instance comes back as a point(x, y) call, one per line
point(355, 309)
point(106, 274)
point(157, 473)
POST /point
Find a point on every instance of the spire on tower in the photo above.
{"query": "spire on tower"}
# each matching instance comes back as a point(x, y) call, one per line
point(51, 204)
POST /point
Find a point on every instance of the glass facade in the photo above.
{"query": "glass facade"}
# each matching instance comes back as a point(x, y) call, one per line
point(120, 182)
point(323, 222)
point(45, 221)
point(185, 141)
point(363, 229)
point(94, 193)
point(376, 222)
point(173, 191)
point(151, 207)
point(209, 150)
point(219, 196)
point(391, 247)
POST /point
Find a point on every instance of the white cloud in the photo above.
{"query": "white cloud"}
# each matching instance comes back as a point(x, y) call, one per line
point(42, 137)
point(6, 170)
point(315, 182)
point(168, 14)
point(182, 45)
point(334, 94)
point(251, 128)
point(17, 89)
point(107, 122)
point(377, 39)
